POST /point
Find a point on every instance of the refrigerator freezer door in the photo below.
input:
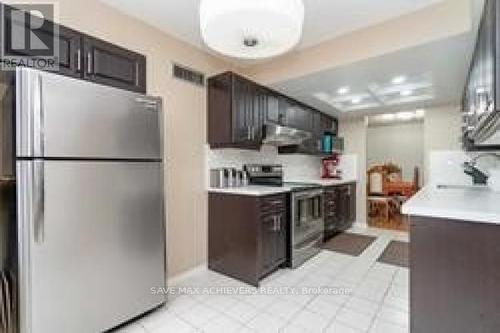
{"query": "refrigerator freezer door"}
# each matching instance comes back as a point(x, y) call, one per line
point(92, 243)
point(62, 117)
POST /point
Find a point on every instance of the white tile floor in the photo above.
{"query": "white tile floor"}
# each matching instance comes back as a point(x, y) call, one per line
point(364, 296)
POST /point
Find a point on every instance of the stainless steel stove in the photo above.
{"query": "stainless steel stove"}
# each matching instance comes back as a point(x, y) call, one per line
point(306, 226)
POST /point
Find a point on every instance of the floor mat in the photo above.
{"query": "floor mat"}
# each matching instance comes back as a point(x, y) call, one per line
point(348, 243)
point(396, 253)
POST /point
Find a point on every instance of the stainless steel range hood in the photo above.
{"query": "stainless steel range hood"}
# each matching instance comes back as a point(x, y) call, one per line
point(276, 135)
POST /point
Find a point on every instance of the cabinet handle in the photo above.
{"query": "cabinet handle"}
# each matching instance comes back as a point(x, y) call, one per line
point(275, 222)
point(275, 202)
point(279, 223)
point(249, 133)
point(137, 74)
point(39, 200)
point(79, 60)
point(89, 63)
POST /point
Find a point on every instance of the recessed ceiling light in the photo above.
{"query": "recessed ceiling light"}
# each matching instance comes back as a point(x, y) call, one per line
point(405, 115)
point(406, 93)
point(480, 90)
point(343, 90)
point(356, 100)
point(388, 116)
point(399, 79)
point(420, 113)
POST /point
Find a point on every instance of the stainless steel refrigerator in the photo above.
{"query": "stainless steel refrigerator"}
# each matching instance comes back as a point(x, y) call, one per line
point(90, 204)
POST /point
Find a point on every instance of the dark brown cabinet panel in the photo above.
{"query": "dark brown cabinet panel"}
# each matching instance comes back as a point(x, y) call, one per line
point(454, 274)
point(239, 111)
point(273, 239)
point(82, 56)
point(245, 107)
point(299, 117)
point(275, 113)
point(339, 208)
point(246, 235)
point(69, 43)
point(114, 66)
point(70, 52)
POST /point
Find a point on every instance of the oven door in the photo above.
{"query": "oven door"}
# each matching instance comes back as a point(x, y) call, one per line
point(307, 215)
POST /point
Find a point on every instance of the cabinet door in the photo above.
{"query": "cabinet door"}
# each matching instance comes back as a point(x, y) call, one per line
point(273, 241)
point(280, 238)
point(331, 210)
point(243, 105)
point(260, 108)
point(114, 66)
point(352, 203)
point(268, 242)
point(274, 113)
point(68, 41)
point(70, 52)
point(298, 117)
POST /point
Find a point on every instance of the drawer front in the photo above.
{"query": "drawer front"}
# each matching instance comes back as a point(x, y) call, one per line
point(275, 203)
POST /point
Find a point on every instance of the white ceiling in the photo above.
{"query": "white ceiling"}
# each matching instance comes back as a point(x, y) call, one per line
point(435, 73)
point(324, 19)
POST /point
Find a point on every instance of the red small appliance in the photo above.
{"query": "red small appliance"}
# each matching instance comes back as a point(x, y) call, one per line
point(330, 168)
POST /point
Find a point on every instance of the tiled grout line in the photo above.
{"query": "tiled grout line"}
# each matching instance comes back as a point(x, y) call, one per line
point(381, 303)
point(343, 306)
point(370, 255)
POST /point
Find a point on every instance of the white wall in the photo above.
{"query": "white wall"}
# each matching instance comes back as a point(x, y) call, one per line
point(441, 132)
point(399, 143)
point(442, 126)
point(354, 133)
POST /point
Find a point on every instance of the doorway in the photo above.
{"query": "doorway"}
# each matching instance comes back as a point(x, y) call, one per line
point(395, 164)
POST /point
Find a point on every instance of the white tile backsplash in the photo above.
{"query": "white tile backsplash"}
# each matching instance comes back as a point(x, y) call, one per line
point(296, 167)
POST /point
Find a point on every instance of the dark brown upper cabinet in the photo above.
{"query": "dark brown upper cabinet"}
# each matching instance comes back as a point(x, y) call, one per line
point(276, 112)
point(82, 56)
point(69, 42)
point(238, 110)
point(480, 99)
point(112, 65)
point(298, 116)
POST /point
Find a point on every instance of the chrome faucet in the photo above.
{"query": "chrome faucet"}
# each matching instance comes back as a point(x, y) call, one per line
point(478, 176)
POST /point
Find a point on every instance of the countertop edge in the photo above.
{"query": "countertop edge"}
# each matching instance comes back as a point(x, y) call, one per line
point(419, 206)
point(265, 190)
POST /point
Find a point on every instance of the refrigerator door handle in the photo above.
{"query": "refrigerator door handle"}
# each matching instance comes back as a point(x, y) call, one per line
point(39, 201)
point(38, 116)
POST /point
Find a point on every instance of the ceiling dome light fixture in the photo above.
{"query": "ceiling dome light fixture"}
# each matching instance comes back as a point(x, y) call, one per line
point(251, 29)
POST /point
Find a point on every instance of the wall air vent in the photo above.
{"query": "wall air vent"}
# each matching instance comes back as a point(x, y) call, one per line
point(188, 74)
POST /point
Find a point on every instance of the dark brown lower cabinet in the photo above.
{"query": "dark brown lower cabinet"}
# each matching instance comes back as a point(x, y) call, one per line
point(246, 235)
point(339, 208)
point(454, 276)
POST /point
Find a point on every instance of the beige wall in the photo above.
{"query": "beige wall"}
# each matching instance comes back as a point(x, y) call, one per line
point(185, 109)
point(354, 133)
